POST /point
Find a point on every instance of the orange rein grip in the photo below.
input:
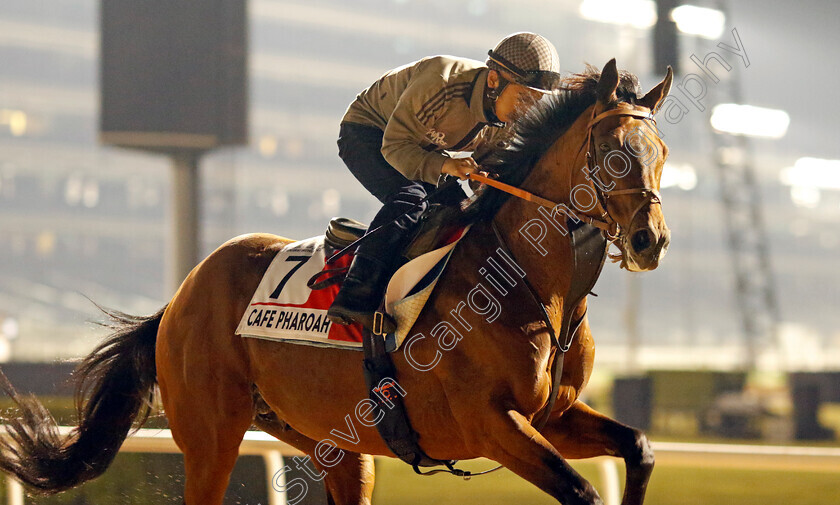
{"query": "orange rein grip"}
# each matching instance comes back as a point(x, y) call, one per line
point(525, 195)
point(513, 190)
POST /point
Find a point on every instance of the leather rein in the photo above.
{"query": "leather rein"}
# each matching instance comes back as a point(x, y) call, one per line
point(561, 341)
point(396, 430)
point(605, 222)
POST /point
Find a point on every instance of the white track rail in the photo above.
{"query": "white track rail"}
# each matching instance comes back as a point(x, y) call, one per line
point(756, 457)
point(255, 443)
point(752, 457)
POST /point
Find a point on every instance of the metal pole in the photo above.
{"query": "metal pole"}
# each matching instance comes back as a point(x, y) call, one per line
point(632, 306)
point(610, 483)
point(274, 466)
point(14, 491)
point(185, 222)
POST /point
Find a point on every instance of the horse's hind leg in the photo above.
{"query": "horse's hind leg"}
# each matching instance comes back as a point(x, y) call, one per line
point(350, 482)
point(208, 429)
point(581, 432)
point(207, 400)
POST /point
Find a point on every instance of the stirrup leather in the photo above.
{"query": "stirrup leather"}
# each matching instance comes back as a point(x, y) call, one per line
point(379, 319)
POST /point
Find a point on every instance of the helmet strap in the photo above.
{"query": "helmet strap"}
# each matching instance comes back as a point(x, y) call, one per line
point(493, 95)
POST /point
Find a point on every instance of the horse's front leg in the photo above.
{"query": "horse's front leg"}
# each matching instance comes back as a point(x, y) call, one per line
point(512, 441)
point(581, 432)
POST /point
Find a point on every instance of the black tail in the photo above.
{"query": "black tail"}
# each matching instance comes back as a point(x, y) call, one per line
point(114, 387)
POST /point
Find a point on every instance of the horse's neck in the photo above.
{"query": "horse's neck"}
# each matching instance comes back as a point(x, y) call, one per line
point(547, 264)
point(559, 170)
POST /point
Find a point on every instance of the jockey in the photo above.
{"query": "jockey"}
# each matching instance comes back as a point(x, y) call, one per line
point(395, 135)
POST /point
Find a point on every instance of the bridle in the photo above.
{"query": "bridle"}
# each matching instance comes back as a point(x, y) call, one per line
point(605, 222)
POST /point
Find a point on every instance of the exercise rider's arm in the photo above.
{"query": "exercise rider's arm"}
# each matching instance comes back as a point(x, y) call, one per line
point(412, 126)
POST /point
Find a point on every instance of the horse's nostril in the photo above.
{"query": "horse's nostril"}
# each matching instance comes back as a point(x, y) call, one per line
point(640, 241)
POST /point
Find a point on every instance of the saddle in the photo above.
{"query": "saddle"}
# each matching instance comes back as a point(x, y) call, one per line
point(343, 231)
point(436, 227)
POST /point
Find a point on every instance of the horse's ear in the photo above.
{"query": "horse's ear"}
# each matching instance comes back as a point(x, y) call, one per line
point(608, 83)
point(655, 96)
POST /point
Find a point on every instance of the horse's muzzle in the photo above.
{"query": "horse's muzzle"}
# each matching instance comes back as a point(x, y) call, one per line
point(647, 247)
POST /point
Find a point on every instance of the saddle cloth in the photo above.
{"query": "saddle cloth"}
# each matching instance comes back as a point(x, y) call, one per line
point(283, 308)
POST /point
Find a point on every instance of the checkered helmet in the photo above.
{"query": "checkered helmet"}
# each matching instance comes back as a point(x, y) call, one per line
point(530, 58)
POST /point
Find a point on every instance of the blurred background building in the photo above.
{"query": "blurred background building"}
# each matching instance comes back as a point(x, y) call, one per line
point(81, 220)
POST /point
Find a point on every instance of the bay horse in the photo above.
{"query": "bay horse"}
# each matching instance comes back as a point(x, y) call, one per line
point(479, 400)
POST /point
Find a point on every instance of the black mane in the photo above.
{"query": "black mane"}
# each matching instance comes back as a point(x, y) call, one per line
point(537, 130)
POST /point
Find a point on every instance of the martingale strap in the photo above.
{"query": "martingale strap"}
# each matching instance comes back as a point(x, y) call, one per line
point(589, 248)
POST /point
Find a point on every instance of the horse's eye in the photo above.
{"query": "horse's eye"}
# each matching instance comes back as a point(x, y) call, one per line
point(604, 147)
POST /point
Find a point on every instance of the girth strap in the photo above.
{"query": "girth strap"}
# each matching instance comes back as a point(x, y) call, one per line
point(589, 250)
point(589, 247)
point(394, 426)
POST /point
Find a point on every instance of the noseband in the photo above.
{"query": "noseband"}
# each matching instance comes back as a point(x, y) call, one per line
point(650, 195)
point(605, 221)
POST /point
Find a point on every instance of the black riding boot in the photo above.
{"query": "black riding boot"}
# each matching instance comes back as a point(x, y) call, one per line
point(361, 294)
point(377, 258)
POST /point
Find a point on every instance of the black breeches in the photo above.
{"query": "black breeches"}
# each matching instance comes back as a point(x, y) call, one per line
point(360, 147)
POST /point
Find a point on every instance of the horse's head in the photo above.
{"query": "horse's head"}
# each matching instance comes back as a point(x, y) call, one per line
point(591, 152)
point(625, 163)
